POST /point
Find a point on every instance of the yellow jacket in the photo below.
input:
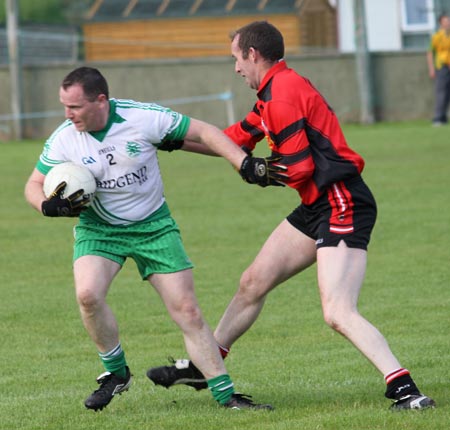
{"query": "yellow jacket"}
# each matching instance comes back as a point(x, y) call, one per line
point(440, 46)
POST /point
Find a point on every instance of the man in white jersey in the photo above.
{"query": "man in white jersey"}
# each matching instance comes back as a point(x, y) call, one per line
point(117, 141)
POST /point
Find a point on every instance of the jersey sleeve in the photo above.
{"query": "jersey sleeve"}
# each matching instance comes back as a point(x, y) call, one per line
point(179, 131)
point(52, 152)
point(161, 123)
point(248, 132)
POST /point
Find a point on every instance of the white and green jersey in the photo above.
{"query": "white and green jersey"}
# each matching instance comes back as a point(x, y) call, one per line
point(122, 158)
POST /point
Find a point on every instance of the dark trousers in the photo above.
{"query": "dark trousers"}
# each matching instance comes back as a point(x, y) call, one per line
point(442, 89)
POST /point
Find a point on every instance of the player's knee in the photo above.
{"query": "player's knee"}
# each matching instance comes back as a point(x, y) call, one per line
point(336, 318)
point(333, 323)
point(88, 299)
point(251, 287)
point(188, 314)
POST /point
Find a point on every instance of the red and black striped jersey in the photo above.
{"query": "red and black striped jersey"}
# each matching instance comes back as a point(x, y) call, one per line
point(302, 129)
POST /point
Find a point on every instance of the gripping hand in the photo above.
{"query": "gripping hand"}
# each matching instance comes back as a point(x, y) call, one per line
point(71, 206)
point(263, 171)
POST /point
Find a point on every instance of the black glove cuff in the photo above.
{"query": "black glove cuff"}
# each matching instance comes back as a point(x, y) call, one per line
point(51, 209)
point(48, 209)
point(245, 169)
point(171, 145)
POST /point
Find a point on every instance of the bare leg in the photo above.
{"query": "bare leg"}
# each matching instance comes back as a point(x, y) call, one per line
point(93, 276)
point(177, 293)
point(341, 272)
point(286, 252)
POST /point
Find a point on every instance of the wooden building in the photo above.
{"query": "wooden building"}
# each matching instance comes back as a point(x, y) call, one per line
point(149, 29)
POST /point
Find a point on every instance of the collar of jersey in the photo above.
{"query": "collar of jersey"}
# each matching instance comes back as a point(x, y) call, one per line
point(113, 117)
point(281, 65)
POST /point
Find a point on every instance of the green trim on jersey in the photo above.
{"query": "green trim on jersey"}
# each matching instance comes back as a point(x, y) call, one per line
point(180, 132)
point(179, 129)
point(44, 168)
point(89, 216)
point(113, 117)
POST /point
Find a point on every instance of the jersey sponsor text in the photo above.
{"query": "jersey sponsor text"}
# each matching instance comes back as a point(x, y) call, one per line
point(137, 177)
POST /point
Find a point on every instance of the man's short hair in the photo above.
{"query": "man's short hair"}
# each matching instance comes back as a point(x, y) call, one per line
point(263, 37)
point(90, 79)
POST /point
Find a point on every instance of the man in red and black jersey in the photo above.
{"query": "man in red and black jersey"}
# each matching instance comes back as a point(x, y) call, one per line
point(331, 227)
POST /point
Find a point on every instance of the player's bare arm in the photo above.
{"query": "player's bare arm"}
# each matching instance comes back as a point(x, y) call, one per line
point(198, 148)
point(215, 141)
point(207, 139)
point(34, 193)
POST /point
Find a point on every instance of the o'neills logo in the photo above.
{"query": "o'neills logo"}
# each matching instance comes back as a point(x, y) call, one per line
point(138, 177)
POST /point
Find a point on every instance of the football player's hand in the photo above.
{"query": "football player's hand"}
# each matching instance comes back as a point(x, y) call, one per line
point(57, 205)
point(263, 171)
point(171, 145)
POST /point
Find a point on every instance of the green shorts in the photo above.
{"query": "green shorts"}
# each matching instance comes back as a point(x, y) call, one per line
point(154, 245)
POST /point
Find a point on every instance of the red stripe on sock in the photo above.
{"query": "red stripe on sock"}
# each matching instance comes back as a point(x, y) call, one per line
point(395, 374)
point(223, 351)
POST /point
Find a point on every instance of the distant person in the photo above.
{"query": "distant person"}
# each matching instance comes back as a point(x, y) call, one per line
point(129, 217)
point(331, 226)
point(438, 59)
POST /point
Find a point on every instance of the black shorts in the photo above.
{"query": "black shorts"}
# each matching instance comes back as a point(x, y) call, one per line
point(346, 211)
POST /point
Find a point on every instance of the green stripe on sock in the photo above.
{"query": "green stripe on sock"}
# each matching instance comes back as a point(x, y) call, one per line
point(114, 361)
point(222, 388)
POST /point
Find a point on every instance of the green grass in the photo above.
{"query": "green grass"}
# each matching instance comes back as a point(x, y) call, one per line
point(314, 378)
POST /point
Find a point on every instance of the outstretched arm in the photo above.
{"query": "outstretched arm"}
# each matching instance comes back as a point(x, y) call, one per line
point(198, 148)
point(185, 145)
point(207, 139)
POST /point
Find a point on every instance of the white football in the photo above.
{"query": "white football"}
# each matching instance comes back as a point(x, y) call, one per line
point(77, 177)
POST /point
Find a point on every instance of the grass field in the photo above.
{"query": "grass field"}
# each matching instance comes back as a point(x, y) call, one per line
point(313, 377)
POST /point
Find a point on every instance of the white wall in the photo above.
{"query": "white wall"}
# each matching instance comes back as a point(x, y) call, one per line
point(383, 25)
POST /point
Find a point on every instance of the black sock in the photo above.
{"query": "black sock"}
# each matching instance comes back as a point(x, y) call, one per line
point(401, 386)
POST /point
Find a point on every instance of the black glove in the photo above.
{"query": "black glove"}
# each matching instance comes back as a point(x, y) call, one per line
point(263, 171)
point(171, 145)
point(71, 206)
